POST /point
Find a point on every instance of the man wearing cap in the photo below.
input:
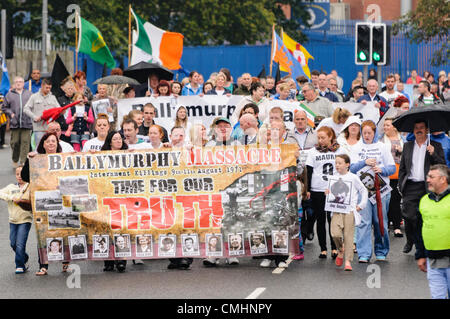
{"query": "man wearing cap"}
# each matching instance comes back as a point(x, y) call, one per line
point(222, 133)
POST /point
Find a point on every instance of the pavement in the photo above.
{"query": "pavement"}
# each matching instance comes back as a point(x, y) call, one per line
point(311, 278)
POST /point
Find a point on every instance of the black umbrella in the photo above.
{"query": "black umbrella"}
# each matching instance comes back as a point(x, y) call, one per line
point(116, 79)
point(437, 118)
point(142, 70)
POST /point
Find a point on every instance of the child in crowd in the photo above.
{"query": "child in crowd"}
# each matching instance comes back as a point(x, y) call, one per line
point(17, 196)
point(345, 191)
point(81, 116)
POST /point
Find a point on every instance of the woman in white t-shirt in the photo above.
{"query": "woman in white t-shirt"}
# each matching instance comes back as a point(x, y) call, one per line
point(181, 119)
point(320, 164)
point(350, 135)
point(102, 127)
point(373, 160)
point(337, 121)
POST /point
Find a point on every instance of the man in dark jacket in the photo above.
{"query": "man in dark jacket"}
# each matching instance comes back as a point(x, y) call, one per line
point(244, 88)
point(417, 157)
point(21, 124)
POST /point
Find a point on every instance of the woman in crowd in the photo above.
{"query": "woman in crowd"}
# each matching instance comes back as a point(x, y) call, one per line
point(49, 144)
point(256, 96)
point(155, 133)
point(81, 117)
point(81, 85)
point(393, 140)
point(337, 121)
point(375, 160)
point(68, 87)
point(197, 135)
point(181, 119)
point(229, 85)
point(320, 164)
point(163, 89)
point(207, 87)
point(114, 141)
point(176, 88)
point(220, 89)
point(351, 134)
point(249, 108)
point(102, 128)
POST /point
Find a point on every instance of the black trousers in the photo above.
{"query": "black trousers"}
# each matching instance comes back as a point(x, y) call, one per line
point(395, 213)
point(412, 194)
point(321, 216)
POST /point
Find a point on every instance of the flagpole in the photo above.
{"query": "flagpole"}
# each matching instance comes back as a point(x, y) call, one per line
point(271, 50)
point(76, 41)
point(129, 35)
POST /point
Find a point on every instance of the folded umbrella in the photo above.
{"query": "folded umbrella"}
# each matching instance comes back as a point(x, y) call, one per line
point(436, 116)
point(53, 113)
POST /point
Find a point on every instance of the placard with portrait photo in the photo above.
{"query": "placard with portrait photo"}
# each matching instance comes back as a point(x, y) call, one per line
point(190, 245)
point(339, 199)
point(258, 243)
point(167, 245)
point(78, 248)
point(122, 246)
point(55, 249)
point(214, 245)
point(236, 244)
point(101, 246)
point(280, 242)
point(144, 246)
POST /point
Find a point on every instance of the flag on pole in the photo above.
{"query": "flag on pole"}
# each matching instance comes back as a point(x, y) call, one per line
point(299, 53)
point(5, 85)
point(91, 42)
point(310, 115)
point(284, 58)
point(154, 45)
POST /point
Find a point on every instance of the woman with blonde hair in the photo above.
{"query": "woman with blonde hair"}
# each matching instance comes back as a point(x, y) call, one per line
point(197, 135)
point(337, 120)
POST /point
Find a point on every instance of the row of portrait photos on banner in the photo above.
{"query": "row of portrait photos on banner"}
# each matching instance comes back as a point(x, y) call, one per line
point(190, 245)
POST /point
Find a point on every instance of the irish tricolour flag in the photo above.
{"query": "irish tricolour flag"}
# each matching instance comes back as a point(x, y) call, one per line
point(309, 114)
point(154, 45)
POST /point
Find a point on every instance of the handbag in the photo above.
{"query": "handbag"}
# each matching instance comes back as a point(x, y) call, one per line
point(24, 203)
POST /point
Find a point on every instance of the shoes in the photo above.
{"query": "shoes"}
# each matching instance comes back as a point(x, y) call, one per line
point(121, 267)
point(381, 258)
point(298, 257)
point(348, 268)
point(310, 236)
point(363, 260)
point(210, 262)
point(20, 270)
point(184, 264)
point(42, 272)
point(265, 263)
point(173, 265)
point(398, 233)
point(282, 264)
point(138, 262)
point(65, 267)
point(323, 255)
point(109, 268)
point(339, 261)
point(354, 249)
point(233, 261)
point(334, 254)
point(408, 247)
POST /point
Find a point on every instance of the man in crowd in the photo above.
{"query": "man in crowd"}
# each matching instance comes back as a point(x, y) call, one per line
point(319, 105)
point(54, 127)
point(417, 157)
point(390, 94)
point(249, 125)
point(130, 130)
point(426, 97)
point(37, 104)
point(315, 78)
point(20, 123)
point(323, 88)
point(357, 92)
point(372, 96)
point(270, 86)
point(34, 84)
point(433, 248)
point(177, 136)
point(333, 87)
point(149, 87)
point(304, 134)
point(222, 132)
point(149, 114)
point(244, 88)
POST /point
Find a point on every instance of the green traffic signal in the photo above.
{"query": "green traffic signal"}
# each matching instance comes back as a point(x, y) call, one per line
point(376, 57)
point(362, 56)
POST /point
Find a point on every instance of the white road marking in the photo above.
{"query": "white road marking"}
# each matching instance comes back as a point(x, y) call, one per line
point(279, 270)
point(255, 294)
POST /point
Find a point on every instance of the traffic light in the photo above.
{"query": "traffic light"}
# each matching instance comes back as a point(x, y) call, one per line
point(363, 44)
point(380, 44)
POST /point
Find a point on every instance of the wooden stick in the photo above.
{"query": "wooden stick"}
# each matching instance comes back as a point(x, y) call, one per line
point(129, 35)
point(76, 41)
point(271, 50)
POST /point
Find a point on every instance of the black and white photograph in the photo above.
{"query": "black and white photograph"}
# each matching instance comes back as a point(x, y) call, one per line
point(122, 246)
point(101, 107)
point(167, 245)
point(367, 177)
point(339, 198)
point(48, 201)
point(144, 246)
point(190, 245)
point(74, 185)
point(258, 243)
point(214, 245)
point(84, 203)
point(280, 242)
point(65, 218)
point(100, 246)
point(236, 244)
point(55, 249)
point(78, 247)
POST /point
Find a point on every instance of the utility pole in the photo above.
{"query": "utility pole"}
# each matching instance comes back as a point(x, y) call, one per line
point(3, 35)
point(44, 34)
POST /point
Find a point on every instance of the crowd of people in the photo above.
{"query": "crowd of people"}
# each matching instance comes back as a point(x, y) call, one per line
point(340, 144)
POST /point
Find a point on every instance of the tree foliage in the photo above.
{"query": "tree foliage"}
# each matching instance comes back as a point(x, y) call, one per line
point(202, 22)
point(430, 20)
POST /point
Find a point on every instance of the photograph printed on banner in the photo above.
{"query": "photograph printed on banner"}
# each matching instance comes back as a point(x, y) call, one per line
point(367, 177)
point(280, 242)
point(258, 243)
point(190, 245)
point(84, 203)
point(100, 246)
point(55, 249)
point(122, 246)
point(339, 198)
point(48, 201)
point(236, 244)
point(144, 246)
point(102, 106)
point(78, 247)
point(214, 245)
point(74, 185)
point(167, 245)
point(65, 218)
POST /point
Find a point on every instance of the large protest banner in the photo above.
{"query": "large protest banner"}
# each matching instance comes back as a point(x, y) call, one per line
point(221, 202)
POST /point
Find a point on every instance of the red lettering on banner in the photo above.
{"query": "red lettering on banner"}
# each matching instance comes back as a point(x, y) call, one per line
point(210, 214)
point(134, 206)
point(188, 210)
point(162, 217)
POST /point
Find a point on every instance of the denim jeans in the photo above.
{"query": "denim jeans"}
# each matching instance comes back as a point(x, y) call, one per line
point(18, 236)
point(439, 282)
point(369, 220)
